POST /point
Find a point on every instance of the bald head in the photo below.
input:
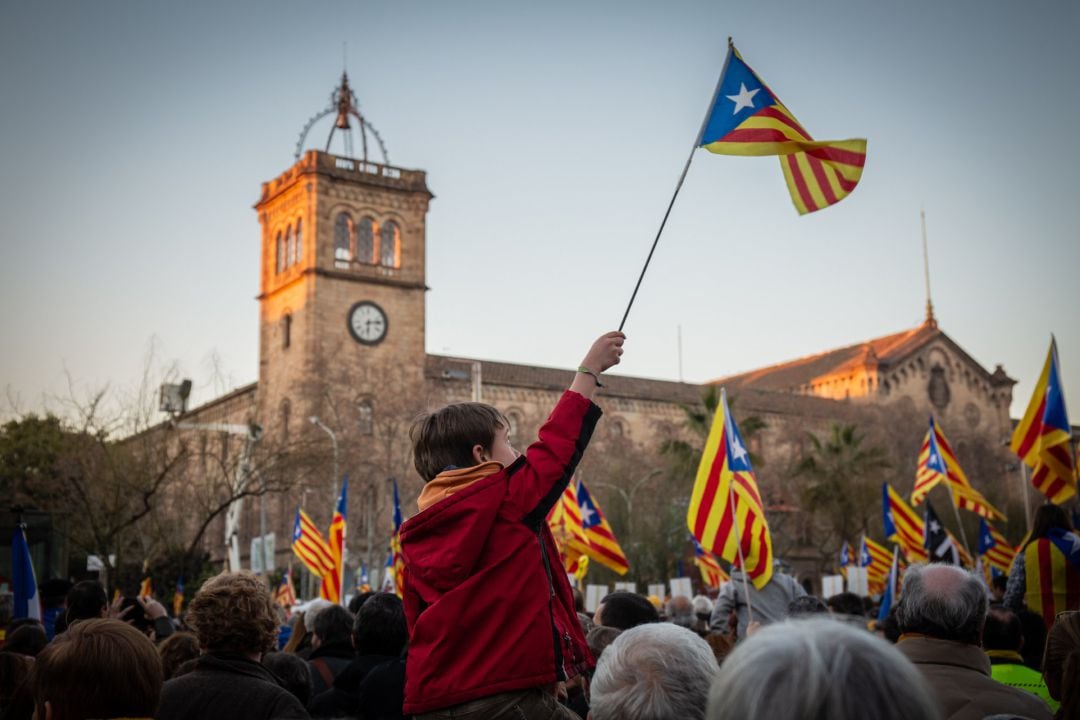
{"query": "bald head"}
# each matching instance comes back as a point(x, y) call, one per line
point(944, 602)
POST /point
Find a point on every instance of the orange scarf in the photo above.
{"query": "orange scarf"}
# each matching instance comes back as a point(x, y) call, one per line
point(449, 482)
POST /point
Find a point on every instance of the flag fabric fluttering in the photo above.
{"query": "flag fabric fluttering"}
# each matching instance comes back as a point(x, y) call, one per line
point(146, 587)
point(902, 524)
point(939, 542)
point(746, 118)
point(712, 573)
point(388, 585)
point(891, 588)
point(938, 463)
point(845, 555)
point(331, 587)
point(27, 599)
point(876, 558)
point(1043, 438)
point(602, 545)
point(397, 560)
point(310, 546)
point(726, 514)
point(285, 595)
point(564, 520)
point(363, 580)
point(178, 597)
point(994, 548)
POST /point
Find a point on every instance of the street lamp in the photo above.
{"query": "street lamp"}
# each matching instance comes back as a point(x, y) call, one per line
point(333, 440)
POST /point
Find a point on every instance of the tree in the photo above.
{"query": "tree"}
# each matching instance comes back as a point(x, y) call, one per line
point(841, 485)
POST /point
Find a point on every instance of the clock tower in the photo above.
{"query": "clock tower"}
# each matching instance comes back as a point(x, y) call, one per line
point(342, 281)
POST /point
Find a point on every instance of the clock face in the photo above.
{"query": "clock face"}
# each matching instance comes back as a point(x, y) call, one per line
point(367, 323)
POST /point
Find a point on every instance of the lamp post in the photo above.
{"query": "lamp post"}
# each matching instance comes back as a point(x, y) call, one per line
point(333, 441)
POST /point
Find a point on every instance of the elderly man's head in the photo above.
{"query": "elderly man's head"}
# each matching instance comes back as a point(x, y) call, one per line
point(680, 610)
point(819, 668)
point(233, 613)
point(653, 672)
point(943, 602)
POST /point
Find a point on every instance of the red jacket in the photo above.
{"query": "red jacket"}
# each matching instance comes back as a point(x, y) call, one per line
point(488, 605)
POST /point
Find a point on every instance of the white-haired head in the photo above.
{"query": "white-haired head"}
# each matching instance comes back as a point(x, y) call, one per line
point(653, 672)
point(819, 668)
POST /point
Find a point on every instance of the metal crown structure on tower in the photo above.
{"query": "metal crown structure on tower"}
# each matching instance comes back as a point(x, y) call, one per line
point(343, 103)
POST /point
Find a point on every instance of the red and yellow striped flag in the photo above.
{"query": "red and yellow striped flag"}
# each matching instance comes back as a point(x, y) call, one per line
point(565, 523)
point(903, 526)
point(937, 462)
point(746, 118)
point(995, 548)
point(330, 589)
point(712, 574)
point(601, 543)
point(310, 546)
point(1043, 439)
point(726, 514)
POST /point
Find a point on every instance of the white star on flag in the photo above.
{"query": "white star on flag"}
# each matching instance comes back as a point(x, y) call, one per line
point(586, 514)
point(934, 526)
point(737, 450)
point(745, 98)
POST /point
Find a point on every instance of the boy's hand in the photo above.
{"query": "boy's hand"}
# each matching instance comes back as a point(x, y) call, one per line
point(605, 352)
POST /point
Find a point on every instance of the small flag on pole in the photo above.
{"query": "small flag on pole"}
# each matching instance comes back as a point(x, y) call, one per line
point(939, 542)
point(726, 514)
point(310, 546)
point(285, 595)
point(938, 463)
point(146, 587)
point(602, 545)
point(712, 573)
point(902, 525)
point(890, 586)
point(27, 600)
point(331, 588)
point(746, 118)
point(994, 548)
point(1043, 438)
point(178, 597)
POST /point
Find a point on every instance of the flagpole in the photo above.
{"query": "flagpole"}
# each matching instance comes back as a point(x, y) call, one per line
point(956, 511)
point(678, 185)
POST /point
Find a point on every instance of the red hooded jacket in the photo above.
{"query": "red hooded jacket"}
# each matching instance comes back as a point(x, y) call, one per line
point(487, 602)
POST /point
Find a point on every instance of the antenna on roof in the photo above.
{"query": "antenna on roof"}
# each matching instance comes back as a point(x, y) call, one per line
point(930, 320)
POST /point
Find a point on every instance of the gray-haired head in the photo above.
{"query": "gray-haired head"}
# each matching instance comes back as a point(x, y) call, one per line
point(702, 605)
point(680, 610)
point(944, 602)
point(653, 672)
point(819, 668)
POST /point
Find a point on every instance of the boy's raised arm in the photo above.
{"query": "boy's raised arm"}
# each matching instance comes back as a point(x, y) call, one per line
point(603, 354)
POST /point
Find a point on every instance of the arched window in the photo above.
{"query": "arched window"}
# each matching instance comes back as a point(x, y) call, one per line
point(342, 240)
point(365, 240)
point(389, 244)
point(290, 248)
point(286, 409)
point(514, 431)
point(365, 417)
point(299, 240)
point(279, 262)
point(286, 330)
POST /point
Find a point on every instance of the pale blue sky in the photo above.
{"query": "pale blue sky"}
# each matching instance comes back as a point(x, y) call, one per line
point(134, 137)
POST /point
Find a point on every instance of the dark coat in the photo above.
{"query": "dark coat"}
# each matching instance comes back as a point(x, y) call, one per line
point(227, 687)
point(343, 700)
point(486, 599)
point(382, 693)
point(330, 658)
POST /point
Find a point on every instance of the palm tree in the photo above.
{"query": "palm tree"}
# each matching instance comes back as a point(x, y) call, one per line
point(843, 480)
point(698, 421)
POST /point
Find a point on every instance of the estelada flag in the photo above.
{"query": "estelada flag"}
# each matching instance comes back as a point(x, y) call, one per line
point(938, 463)
point(746, 118)
point(995, 548)
point(310, 546)
point(1052, 573)
point(726, 514)
point(1043, 438)
point(602, 545)
point(902, 525)
point(712, 573)
point(330, 589)
point(565, 523)
point(396, 558)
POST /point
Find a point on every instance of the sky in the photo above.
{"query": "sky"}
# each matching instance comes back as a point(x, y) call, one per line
point(134, 137)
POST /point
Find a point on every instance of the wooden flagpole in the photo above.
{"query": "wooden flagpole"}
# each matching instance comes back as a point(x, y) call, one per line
point(678, 186)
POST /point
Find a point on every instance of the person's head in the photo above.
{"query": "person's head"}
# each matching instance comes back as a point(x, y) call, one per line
point(232, 613)
point(460, 435)
point(1061, 663)
point(97, 669)
point(1048, 517)
point(653, 672)
point(846, 603)
point(27, 639)
point(819, 668)
point(703, 607)
point(599, 638)
point(359, 599)
point(805, 606)
point(998, 583)
point(380, 627)
point(1002, 631)
point(680, 610)
point(332, 626)
point(624, 610)
point(176, 650)
point(86, 600)
point(293, 673)
point(944, 602)
point(312, 610)
point(579, 600)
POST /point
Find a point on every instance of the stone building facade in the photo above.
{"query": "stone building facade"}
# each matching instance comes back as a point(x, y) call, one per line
point(343, 371)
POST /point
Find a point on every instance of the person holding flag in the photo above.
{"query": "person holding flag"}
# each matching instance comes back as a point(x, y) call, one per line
point(1046, 571)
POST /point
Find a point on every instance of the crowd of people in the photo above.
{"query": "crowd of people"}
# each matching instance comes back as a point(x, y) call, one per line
point(488, 626)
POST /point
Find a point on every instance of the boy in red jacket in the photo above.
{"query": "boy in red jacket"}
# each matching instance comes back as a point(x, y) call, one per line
point(492, 626)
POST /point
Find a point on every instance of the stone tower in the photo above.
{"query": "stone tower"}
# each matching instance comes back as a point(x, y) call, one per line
point(342, 280)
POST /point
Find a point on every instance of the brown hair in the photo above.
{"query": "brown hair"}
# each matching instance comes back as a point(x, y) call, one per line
point(176, 650)
point(447, 436)
point(98, 669)
point(233, 613)
point(1061, 663)
point(1046, 518)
